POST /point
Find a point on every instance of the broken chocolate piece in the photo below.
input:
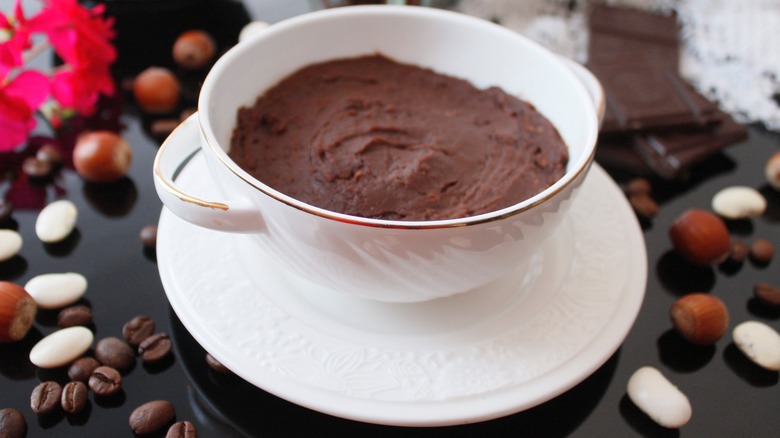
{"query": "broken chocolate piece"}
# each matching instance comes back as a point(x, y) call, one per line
point(668, 153)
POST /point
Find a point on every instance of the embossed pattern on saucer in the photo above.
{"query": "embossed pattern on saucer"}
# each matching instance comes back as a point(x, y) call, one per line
point(490, 352)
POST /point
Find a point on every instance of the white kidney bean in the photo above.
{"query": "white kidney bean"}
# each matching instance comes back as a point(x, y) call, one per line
point(56, 290)
point(61, 347)
point(252, 28)
point(657, 397)
point(739, 202)
point(56, 221)
point(759, 342)
point(10, 244)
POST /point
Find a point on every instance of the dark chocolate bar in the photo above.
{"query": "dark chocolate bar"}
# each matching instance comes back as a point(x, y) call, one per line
point(635, 24)
point(655, 122)
point(640, 96)
point(635, 56)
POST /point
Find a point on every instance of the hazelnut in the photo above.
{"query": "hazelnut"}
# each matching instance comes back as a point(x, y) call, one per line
point(17, 312)
point(156, 90)
point(700, 237)
point(700, 318)
point(772, 171)
point(102, 156)
point(762, 251)
point(194, 49)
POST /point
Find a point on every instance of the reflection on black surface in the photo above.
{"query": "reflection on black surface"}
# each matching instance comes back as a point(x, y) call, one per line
point(747, 370)
point(641, 423)
point(15, 356)
point(680, 277)
point(682, 356)
point(227, 396)
point(50, 420)
point(65, 247)
point(111, 401)
point(731, 267)
point(13, 268)
point(740, 227)
point(763, 310)
point(82, 417)
point(161, 366)
point(772, 196)
point(59, 374)
point(112, 199)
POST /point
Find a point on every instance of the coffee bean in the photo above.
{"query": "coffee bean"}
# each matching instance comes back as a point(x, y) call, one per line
point(6, 209)
point(762, 251)
point(148, 236)
point(115, 353)
point(105, 381)
point(644, 206)
point(74, 397)
point(638, 186)
point(767, 293)
point(152, 416)
point(12, 423)
point(74, 315)
point(215, 364)
point(49, 154)
point(81, 369)
point(36, 169)
point(45, 397)
point(155, 348)
point(182, 429)
point(138, 329)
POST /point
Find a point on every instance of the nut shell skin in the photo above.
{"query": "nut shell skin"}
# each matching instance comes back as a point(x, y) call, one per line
point(17, 312)
point(700, 237)
point(700, 318)
point(102, 156)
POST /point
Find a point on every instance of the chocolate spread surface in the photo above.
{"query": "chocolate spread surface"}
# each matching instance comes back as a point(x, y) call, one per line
point(375, 138)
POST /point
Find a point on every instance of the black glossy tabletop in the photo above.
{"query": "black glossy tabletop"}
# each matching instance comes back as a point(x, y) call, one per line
point(731, 397)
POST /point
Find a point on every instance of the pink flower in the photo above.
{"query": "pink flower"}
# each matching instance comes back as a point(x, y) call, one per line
point(78, 35)
point(80, 87)
point(19, 99)
point(81, 37)
point(15, 39)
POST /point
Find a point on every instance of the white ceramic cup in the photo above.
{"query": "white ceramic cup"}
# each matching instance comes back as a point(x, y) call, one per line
point(394, 261)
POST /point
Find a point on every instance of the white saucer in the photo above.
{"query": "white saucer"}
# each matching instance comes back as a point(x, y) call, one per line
point(490, 352)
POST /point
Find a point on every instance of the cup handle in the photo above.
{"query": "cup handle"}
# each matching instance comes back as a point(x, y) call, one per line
point(592, 85)
point(238, 215)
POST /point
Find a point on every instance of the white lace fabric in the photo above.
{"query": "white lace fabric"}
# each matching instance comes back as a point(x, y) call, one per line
point(729, 50)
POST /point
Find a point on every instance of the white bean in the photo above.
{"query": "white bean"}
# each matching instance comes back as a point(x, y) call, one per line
point(252, 28)
point(657, 397)
point(61, 347)
point(739, 202)
point(56, 221)
point(10, 244)
point(759, 342)
point(53, 291)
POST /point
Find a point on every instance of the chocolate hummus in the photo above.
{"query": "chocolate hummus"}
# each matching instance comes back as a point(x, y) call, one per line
point(374, 138)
